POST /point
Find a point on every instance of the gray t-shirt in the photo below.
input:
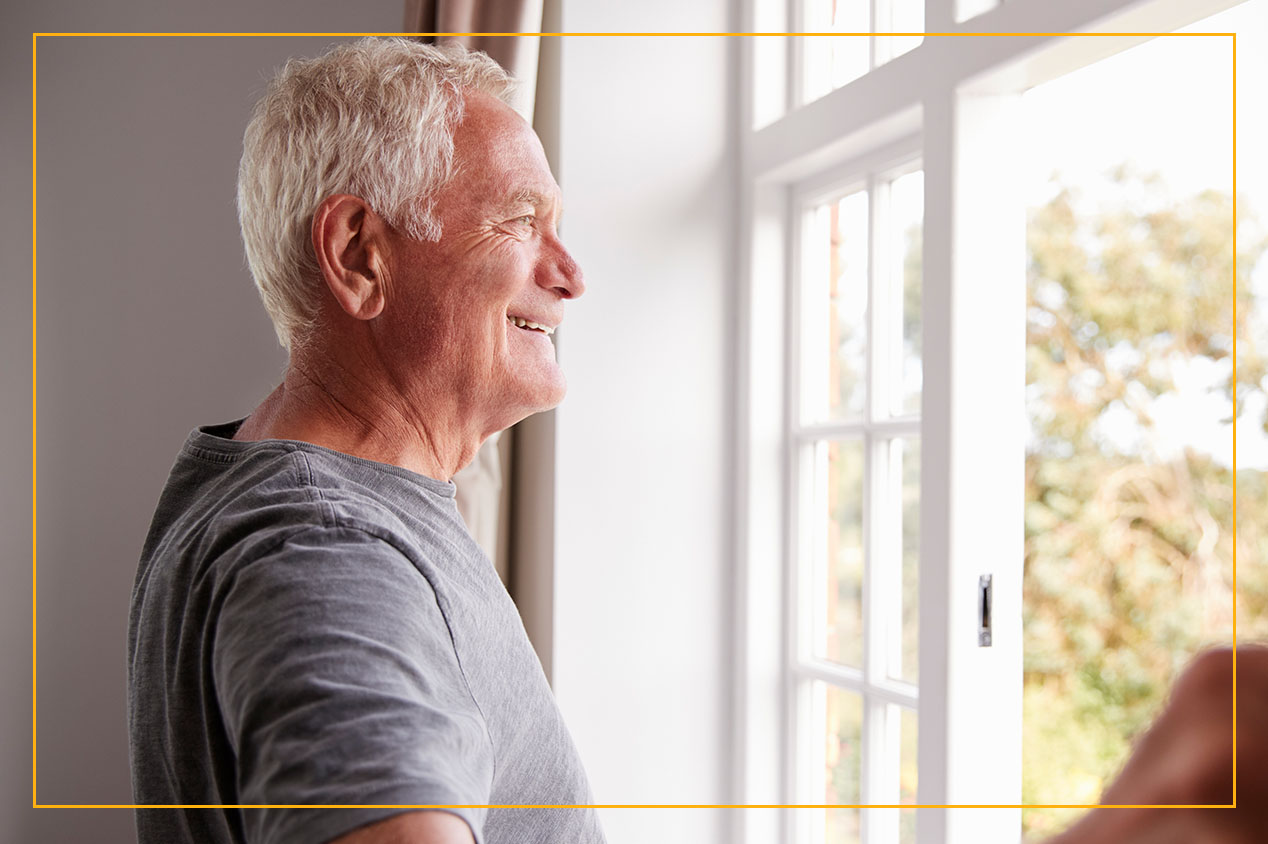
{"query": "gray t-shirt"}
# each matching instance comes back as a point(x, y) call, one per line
point(313, 628)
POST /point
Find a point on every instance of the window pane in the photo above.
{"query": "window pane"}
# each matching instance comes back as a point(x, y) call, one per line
point(831, 744)
point(830, 62)
point(905, 243)
point(909, 456)
point(965, 9)
point(907, 770)
point(907, 826)
point(842, 826)
point(907, 16)
point(843, 592)
point(891, 773)
point(847, 307)
point(843, 758)
point(894, 568)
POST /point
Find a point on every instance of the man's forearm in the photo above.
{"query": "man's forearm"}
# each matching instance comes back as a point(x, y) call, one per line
point(1187, 758)
point(428, 826)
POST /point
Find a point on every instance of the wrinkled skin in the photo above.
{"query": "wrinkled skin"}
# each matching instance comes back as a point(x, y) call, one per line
point(416, 361)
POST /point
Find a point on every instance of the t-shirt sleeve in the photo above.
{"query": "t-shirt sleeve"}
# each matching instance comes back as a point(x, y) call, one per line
point(338, 685)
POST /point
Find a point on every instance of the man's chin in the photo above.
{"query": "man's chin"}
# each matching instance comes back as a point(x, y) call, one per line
point(551, 396)
point(537, 398)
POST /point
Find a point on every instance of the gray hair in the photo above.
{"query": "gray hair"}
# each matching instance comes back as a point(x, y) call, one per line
point(374, 119)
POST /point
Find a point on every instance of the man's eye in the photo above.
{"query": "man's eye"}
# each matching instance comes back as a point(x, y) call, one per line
point(528, 220)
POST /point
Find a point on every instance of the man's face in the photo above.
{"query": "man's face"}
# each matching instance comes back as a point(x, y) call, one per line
point(461, 303)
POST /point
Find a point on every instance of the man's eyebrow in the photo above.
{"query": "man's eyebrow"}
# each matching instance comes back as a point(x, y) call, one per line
point(528, 196)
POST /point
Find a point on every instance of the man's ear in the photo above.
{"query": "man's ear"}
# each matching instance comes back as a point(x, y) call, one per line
point(347, 239)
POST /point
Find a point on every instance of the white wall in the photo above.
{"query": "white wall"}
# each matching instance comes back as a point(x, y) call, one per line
point(641, 654)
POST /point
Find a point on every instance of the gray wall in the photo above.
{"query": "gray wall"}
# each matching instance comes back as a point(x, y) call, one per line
point(148, 325)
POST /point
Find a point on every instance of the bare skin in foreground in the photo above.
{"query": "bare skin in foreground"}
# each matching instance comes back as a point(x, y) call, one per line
point(1186, 757)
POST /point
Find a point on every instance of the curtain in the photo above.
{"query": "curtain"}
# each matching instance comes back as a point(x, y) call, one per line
point(517, 54)
point(483, 486)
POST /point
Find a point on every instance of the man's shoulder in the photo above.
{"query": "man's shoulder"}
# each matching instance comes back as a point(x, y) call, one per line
point(222, 513)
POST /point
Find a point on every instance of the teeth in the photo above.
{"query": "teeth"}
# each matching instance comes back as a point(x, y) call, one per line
point(523, 323)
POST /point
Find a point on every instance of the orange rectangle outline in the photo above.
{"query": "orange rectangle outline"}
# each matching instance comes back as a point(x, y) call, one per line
point(35, 804)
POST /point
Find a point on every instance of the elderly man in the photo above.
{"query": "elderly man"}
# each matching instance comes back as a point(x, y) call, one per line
point(311, 623)
point(313, 631)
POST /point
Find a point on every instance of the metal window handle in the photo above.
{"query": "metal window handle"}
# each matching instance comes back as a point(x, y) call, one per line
point(984, 611)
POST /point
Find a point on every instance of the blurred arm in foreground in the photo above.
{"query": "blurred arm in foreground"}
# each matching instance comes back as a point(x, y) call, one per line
point(1187, 756)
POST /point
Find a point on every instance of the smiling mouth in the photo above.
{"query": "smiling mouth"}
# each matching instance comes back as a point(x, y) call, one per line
point(528, 325)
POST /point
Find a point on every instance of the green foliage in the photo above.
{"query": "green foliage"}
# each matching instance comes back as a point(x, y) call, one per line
point(1074, 740)
point(1129, 545)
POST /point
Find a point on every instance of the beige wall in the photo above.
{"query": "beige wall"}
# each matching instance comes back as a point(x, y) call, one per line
point(148, 326)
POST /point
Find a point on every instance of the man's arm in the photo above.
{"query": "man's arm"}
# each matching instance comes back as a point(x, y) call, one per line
point(1187, 758)
point(338, 686)
point(424, 827)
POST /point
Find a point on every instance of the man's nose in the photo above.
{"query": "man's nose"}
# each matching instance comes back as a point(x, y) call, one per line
point(561, 273)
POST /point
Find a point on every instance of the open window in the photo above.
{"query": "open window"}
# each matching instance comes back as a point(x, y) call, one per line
point(887, 425)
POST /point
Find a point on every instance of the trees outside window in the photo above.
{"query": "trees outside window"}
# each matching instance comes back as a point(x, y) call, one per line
point(1129, 530)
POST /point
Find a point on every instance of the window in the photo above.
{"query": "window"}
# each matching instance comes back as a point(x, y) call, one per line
point(882, 410)
point(828, 62)
point(806, 69)
point(857, 471)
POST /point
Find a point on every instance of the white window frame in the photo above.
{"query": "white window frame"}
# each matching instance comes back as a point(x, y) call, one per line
point(874, 429)
point(959, 97)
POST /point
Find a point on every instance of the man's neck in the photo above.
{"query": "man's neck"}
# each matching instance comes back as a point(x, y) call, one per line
point(323, 403)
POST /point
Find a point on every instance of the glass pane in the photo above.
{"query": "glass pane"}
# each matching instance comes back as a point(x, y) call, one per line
point(907, 16)
point(906, 227)
point(909, 455)
point(894, 773)
point(895, 566)
point(842, 826)
point(844, 590)
point(965, 9)
point(843, 750)
point(830, 763)
point(907, 770)
point(847, 307)
point(906, 826)
point(830, 62)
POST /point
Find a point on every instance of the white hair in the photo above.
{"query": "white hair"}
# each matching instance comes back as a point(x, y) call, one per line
point(374, 119)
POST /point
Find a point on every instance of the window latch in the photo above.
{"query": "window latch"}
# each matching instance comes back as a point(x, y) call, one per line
point(984, 611)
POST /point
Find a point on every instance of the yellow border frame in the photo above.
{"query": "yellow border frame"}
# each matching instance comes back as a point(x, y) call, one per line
point(35, 804)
